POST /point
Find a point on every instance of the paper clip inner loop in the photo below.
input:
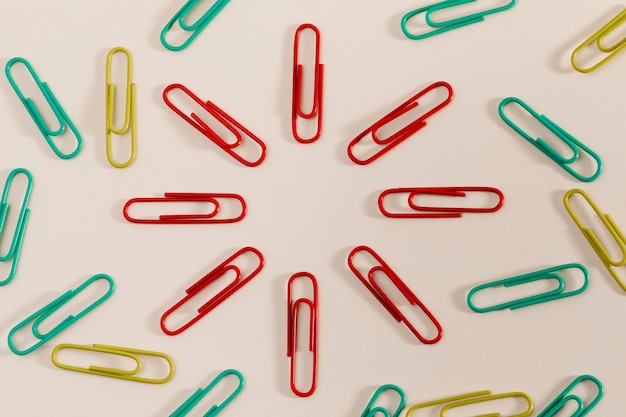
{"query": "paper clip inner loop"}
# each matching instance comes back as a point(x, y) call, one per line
point(404, 133)
point(46, 311)
point(133, 354)
point(130, 114)
point(375, 289)
point(292, 330)
point(575, 145)
point(561, 400)
point(599, 38)
point(195, 28)
point(195, 398)
point(593, 240)
point(209, 278)
point(473, 398)
point(371, 411)
point(55, 106)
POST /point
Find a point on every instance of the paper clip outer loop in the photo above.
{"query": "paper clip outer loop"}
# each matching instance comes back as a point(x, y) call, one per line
point(212, 198)
point(404, 133)
point(559, 402)
point(55, 106)
point(43, 313)
point(598, 37)
point(130, 114)
point(437, 212)
point(548, 273)
point(195, 28)
point(195, 398)
point(231, 124)
point(475, 400)
point(210, 277)
point(454, 398)
point(13, 253)
point(316, 107)
point(591, 237)
point(440, 27)
point(130, 375)
point(375, 289)
point(573, 143)
point(371, 411)
point(292, 330)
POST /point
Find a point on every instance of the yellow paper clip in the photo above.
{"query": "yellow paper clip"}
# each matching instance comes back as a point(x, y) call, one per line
point(473, 398)
point(599, 38)
point(593, 240)
point(130, 375)
point(129, 114)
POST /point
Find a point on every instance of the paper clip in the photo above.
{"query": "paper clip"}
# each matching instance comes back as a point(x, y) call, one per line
point(231, 124)
point(196, 27)
point(404, 133)
point(130, 115)
point(562, 399)
point(446, 25)
point(473, 398)
point(13, 253)
point(130, 374)
point(575, 145)
point(593, 240)
point(316, 107)
point(212, 216)
point(62, 117)
point(372, 285)
point(49, 309)
point(209, 278)
point(544, 274)
point(598, 38)
point(420, 211)
point(371, 411)
point(292, 330)
point(195, 398)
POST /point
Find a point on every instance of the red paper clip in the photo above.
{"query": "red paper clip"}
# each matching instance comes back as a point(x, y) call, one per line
point(316, 107)
point(206, 280)
point(292, 331)
point(437, 212)
point(209, 217)
point(402, 134)
point(231, 124)
point(384, 299)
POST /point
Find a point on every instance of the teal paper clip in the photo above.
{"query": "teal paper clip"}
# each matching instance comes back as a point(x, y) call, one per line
point(371, 411)
point(564, 397)
point(575, 145)
point(13, 254)
point(446, 25)
point(42, 314)
point(196, 27)
point(54, 104)
point(192, 401)
point(549, 273)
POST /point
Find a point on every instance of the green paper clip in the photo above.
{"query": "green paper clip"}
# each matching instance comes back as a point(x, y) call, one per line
point(54, 104)
point(473, 398)
point(544, 274)
point(130, 375)
point(371, 411)
point(561, 400)
point(195, 398)
point(42, 314)
point(574, 144)
point(13, 253)
point(195, 27)
point(444, 26)
point(598, 38)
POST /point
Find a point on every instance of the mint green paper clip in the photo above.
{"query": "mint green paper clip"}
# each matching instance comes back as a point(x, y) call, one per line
point(564, 397)
point(446, 25)
point(42, 314)
point(196, 27)
point(575, 145)
point(54, 104)
point(13, 253)
point(544, 274)
point(195, 398)
point(371, 411)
